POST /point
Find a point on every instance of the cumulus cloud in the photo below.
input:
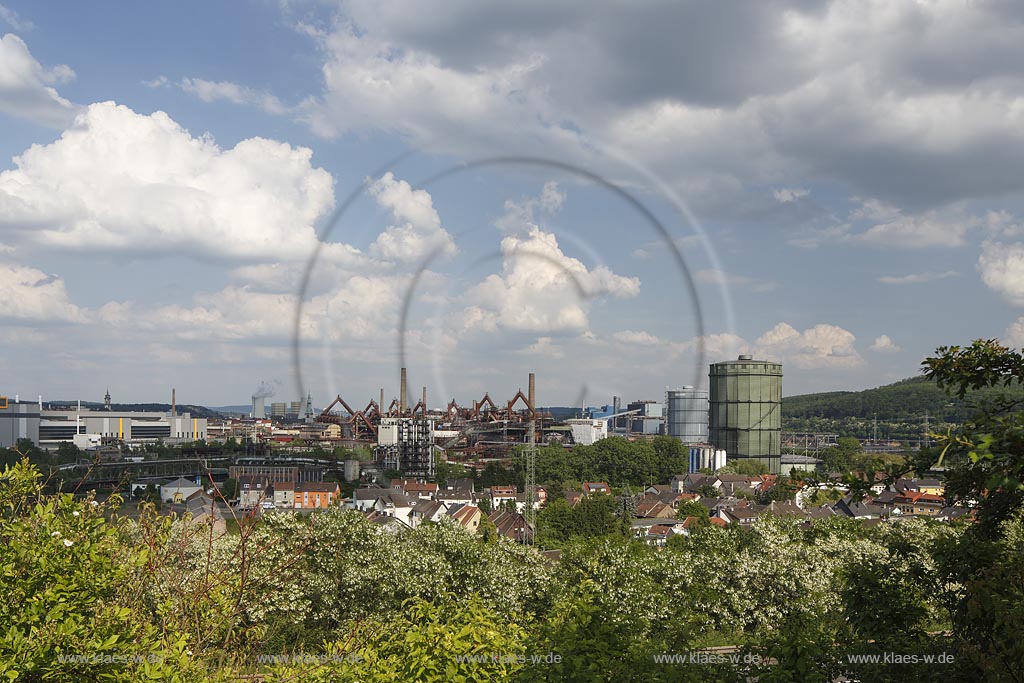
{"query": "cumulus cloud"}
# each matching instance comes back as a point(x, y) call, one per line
point(118, 180)
point(417, 231)
point(915, 103)
point(883, 344)
point(1014, 334)
point(1002, 269)
point(542, 289)
point(544, 346)
point(26, 87)
point(916, 278)
point(29, 294)
point(636, 338)
point(821, 346)
point(525, 214)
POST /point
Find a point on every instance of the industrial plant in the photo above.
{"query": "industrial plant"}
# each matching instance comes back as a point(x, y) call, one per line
point(737, 418)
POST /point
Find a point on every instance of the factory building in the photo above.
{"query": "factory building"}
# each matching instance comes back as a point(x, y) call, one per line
point(649, 417)
point(587, 432)
point(746, 410)
point(47, 428)
point(18, 420)
point(687, 415)
point(406, 444)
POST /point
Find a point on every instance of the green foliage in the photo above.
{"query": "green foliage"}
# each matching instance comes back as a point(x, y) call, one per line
point(424, 642)
point(615, 460)
point(67, 577)
point(593, 517)
point(691, 508)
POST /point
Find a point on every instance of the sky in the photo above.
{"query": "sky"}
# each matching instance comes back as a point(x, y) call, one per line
point(309, 193)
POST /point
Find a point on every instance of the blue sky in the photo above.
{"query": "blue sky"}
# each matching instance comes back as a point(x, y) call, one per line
point(842, 181)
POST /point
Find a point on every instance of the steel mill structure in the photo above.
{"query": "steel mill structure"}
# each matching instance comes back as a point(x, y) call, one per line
point(405, 437)
point(746, 410)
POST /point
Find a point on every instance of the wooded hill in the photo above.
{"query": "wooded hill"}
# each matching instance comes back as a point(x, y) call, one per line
point(907, 399)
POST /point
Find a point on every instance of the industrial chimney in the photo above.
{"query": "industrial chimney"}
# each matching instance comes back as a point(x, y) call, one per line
point(402, 395)
point(174, 404)
point(424, 401)
point(533, 394)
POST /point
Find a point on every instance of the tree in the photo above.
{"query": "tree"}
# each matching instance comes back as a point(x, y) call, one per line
point(691, 508)
point(985, 460)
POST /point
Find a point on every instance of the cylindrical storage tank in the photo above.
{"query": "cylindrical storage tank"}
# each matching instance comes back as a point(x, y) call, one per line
point(746, 410)
point(687, 414)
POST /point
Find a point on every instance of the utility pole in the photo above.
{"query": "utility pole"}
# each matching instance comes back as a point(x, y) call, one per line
point(531, 466)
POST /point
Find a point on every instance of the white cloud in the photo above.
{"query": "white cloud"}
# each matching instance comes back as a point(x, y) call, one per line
point(118, 180)
point(30, 294)
point(916, 278)
point(542, 289)
point(417, 232)
point(821, 346)
point(890, 100)
point(26, 87)
point(213, 91)
point(1014, 334)
point(11, 18)
point(636, 338)
point(923, 230)
point(1002, 269)
point(883, 344)
point(524, 215)
point(785, 195)
point(544, 346)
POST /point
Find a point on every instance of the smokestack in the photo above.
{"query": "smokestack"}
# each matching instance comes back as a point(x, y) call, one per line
point(40, 401)
point(402, 397)
point(174, 404)
point(380, 406)
point(533, 393)
point(424, 401)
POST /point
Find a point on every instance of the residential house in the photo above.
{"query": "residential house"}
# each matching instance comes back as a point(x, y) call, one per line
point(415, 488)
point(932, 486)
point(178, 490)
point(200, 508)
point(427, 511)
point(655, 509)
point(397, 505)
point(315, 495)
point(363, 499)
point(512, 525)
point(592, 487)
point(468, 516)
point(917, 503)
point(386, 521)
point(499, 495)
point(252, 491)
point(284, 495)
point(659, 534)
point(573, 497)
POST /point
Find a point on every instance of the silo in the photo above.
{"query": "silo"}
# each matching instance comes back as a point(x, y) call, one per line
point(687, 414)
point(746, 410)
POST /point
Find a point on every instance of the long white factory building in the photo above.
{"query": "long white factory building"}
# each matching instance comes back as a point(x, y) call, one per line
point(47, 428)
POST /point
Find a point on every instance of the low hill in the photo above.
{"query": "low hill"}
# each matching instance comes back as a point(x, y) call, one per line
point(906, 399)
